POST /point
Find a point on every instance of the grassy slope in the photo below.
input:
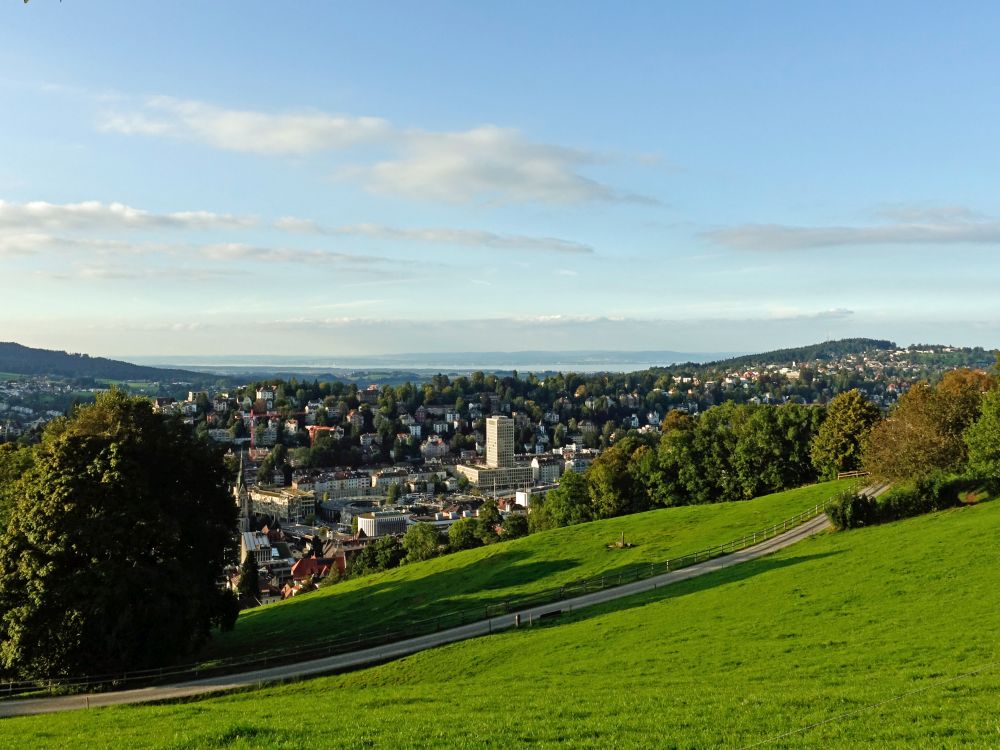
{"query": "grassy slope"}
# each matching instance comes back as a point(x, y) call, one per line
point(822, 629)
point(472, 579)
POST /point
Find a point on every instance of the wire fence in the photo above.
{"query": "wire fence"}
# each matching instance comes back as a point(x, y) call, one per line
point(400, 629)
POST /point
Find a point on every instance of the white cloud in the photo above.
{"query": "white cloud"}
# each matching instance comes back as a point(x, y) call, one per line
point(235, 251)
point(23, 244)
point(837, 313)
point(440, 236)
point(486, 163)
point(119, 272)
point(36, 215)
point(305, 226)
point(244, 130)
point(945, 226)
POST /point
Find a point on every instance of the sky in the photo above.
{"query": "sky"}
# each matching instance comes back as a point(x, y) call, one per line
point(192, 178)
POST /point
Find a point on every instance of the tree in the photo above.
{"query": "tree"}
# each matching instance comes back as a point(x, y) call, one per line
point(389, 552)
point(837, 445)
point(421, 542)
point(566, 505)
point(924, 433)
point(982, 438)
point(249, 583)
point(392, 493)
point(514, 525)
point(120, 530)
point(384, 553)
point(464, 534)
point(15, 460)
point(487, 522)
point(614, 489)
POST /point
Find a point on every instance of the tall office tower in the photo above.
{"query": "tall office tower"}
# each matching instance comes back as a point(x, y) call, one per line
point(499, 442)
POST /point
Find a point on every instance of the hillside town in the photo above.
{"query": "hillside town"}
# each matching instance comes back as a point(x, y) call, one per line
point(326, 468)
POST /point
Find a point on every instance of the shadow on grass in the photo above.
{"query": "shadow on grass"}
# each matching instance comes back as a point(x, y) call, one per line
point(368, 608)
point(705, 582)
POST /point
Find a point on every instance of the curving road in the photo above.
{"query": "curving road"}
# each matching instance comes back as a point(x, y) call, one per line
point(375, 655)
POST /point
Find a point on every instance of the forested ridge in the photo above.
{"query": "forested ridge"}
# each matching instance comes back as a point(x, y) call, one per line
point(25, 360)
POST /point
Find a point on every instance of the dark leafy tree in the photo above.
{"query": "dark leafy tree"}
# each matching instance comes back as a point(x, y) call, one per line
point(421, 542)
point(15, 460)
point(119, 533)
point(249, 583)
point(567, 504)
point(384, 553)
point(514, 525)
point(464, 534)
point(615, 490)
point(487, 522)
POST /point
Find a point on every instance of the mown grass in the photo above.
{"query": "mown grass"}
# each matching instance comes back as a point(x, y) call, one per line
point(143, 386)
point(863, 636)
point(469, 581)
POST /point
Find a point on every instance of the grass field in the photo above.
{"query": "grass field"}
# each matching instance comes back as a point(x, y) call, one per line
point(858, 639)
point(137, 386)
point(473, 579)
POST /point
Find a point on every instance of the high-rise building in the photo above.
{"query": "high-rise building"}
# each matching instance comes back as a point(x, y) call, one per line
point(499, 442)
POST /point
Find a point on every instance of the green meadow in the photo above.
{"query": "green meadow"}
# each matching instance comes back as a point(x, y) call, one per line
point(882, 637)
point(471, 580)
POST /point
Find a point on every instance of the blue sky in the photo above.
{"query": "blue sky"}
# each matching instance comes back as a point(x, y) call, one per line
point(321, 178)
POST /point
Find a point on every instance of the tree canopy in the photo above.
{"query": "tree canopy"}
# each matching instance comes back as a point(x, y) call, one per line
point(982, 438)
point(924, 433)
point(421, 542)
point(117, 536)
point(837, 445)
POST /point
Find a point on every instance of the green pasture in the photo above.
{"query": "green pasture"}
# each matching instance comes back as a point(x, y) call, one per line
point(876, 638)
point(469, 581)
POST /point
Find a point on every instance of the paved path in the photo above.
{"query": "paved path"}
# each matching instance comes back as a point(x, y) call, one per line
point(377, 654)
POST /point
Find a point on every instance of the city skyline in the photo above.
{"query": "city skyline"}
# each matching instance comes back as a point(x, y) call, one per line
point(361, 180)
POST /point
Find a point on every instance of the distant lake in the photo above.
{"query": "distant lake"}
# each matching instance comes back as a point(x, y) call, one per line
point(443, 362)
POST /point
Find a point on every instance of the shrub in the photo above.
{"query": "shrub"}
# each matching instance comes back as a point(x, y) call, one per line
point(849, 510)
point(936, 491)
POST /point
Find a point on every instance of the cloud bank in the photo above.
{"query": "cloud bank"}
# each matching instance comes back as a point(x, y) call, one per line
point(37, 215)
point(440, 236)
point(947, 226)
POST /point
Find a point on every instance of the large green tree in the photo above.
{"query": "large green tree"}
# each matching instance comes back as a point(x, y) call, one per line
point(464, 534)
point(615, 487)
point(487, 521)
point(982, 438)
point(421, 542)
point(118, 535)
point(567, 504)
point(15, 460)
point(837, 445)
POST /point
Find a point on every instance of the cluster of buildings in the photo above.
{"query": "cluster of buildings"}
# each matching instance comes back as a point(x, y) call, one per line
point(26, 404)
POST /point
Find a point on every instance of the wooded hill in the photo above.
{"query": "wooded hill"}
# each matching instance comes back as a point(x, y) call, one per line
point(824, 350)
point(24, 360)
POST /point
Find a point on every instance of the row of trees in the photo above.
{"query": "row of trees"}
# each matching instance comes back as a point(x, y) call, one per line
point(731, 452)
point(940, 447)
point(737, 451)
